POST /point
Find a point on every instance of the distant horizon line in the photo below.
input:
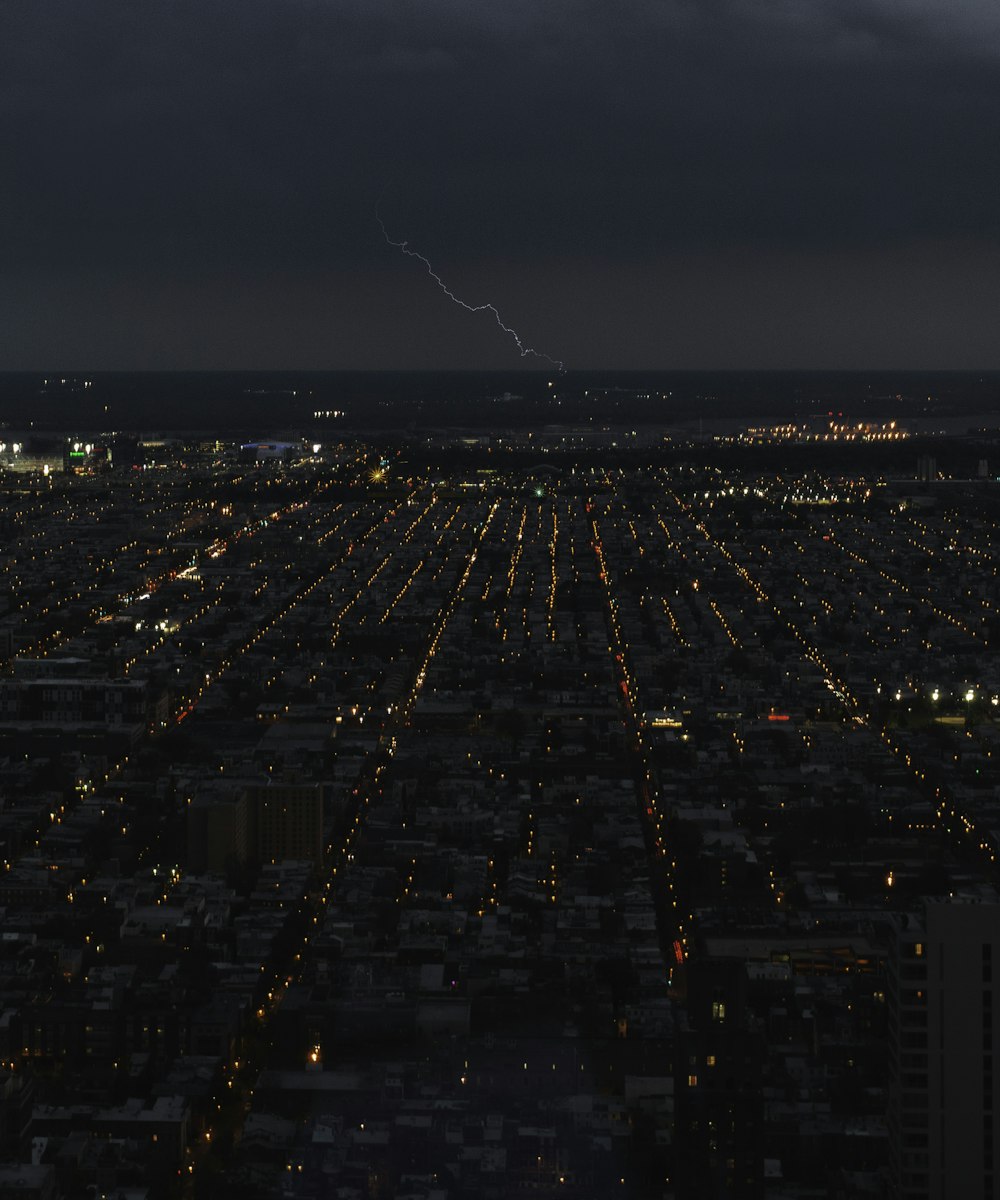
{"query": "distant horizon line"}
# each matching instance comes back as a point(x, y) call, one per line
point(534, 372)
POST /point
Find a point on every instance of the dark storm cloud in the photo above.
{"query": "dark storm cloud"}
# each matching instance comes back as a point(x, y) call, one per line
point(193, 139)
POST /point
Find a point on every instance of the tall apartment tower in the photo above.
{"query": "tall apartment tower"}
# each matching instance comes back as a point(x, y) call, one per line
point(719, 1103)
point(927, 468)
point(288, 818)
point(944, 1098)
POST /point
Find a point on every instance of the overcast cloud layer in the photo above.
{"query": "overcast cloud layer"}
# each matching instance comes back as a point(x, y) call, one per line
point(647, 184)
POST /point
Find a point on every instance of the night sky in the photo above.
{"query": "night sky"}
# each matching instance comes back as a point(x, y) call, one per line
point(633, 184)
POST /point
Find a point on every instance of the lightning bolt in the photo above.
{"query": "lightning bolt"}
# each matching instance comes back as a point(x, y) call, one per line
point(473, 308)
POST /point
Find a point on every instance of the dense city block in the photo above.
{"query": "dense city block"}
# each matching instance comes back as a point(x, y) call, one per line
point(445, 818)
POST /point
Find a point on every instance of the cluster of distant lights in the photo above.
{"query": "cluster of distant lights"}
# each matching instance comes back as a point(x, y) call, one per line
point(969, 695)
point(87, 383)
point(630, 708)
point(863, 431)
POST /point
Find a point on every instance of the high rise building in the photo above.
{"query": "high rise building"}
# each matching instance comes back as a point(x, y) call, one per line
point(288, 818)
point(218, 832)
point(718, 1069)
point(233, 825)
point(927, 468)
point(944, 1099)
